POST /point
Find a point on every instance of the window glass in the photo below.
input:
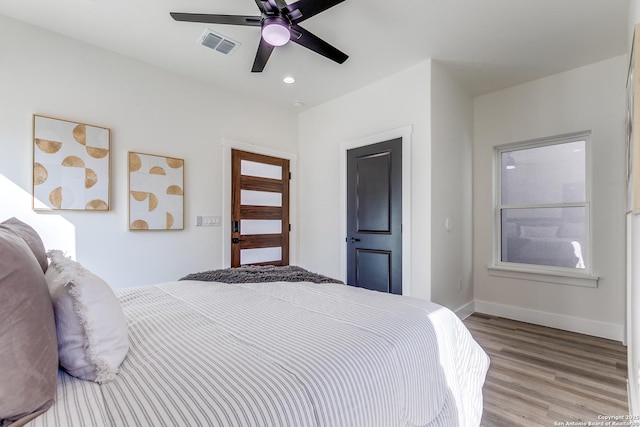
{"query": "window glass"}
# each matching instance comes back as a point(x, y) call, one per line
point(548, 174)
point(542, 206)
point(545, 236)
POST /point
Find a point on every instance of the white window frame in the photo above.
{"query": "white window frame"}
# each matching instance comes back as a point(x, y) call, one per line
point(536, 272)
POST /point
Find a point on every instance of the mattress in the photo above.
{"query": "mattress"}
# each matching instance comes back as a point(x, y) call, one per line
point(281, 354)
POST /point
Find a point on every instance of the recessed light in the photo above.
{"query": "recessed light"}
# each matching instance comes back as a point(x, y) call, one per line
point(289, 80)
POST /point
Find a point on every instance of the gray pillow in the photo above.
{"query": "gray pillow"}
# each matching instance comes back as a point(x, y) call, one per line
point(28, 345)
point(31, 238)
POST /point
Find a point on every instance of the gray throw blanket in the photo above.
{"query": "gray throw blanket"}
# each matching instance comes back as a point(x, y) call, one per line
point(260, 274)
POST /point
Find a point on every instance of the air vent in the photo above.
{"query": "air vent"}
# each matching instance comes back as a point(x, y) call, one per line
point(218, 42)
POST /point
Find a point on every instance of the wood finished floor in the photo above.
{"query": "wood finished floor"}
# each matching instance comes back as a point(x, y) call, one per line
point(543, 377)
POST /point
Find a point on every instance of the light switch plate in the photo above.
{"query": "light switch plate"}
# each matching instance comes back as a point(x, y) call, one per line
point(208, 221)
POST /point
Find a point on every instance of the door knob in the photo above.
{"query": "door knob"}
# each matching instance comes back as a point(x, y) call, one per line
point(352, 240)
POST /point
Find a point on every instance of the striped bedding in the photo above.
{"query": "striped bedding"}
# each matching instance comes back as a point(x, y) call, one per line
point(281, 354)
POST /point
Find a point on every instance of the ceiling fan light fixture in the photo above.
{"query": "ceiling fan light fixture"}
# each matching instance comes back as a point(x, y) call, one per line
point(275, 31)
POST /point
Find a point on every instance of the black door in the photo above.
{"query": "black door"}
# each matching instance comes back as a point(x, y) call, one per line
point(374, 216)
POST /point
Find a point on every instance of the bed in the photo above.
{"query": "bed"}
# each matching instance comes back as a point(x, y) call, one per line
point(279, 353)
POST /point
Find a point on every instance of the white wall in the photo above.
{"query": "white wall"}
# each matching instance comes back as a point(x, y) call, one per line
point(440, 112)
point(451, 171)
point(588, 98)
point(399, 100)
point(148, 110)
point(633, 314)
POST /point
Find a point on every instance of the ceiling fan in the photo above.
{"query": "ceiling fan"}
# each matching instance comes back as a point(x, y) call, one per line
point(279, 24)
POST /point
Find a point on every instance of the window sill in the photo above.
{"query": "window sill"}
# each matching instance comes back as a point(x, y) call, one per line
point(558, 277)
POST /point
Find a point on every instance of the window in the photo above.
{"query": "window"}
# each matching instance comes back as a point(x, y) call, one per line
point(542, 213)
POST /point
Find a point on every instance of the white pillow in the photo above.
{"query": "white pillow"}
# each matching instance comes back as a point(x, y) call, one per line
point(92, 330)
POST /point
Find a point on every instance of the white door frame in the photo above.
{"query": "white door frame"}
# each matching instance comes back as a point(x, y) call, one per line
point(404, 133)
point(227, 146)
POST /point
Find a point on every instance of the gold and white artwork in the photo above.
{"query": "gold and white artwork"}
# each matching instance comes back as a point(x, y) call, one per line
point(156, 192)
point(70, 165)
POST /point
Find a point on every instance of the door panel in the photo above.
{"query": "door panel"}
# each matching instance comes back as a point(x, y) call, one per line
point(373, 195)
point(260, 198)
point(260, 170)
point(374, 216)
point(374, 269)
point(260, 255)
point(260, 226)
point(260, 209)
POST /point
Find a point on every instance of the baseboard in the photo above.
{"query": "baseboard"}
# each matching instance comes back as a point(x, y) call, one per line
point(574, 324)
point(466, 310)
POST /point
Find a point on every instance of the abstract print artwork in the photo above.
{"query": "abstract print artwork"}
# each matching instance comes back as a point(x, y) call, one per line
point(70, 165)
point(156, 192)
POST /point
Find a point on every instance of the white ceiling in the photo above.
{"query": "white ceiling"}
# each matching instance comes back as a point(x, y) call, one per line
point(486, 44)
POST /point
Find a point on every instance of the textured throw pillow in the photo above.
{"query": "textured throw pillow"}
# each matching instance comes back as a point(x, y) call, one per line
point(28, 349)
point(92, 330)
point(31, 238)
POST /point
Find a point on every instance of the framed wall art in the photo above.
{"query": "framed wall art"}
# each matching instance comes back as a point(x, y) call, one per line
point(156, 192)
point(633, 126)
point(71, 163)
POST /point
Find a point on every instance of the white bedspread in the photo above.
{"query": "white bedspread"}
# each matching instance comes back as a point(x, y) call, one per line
point(282, 354)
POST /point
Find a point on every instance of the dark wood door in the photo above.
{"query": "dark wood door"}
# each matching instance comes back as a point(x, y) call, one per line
point(260, 209)
point(374, 216)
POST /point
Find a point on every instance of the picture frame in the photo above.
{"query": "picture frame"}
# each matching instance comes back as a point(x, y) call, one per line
point(633, 126)
point(156, 192)
point(71, 165)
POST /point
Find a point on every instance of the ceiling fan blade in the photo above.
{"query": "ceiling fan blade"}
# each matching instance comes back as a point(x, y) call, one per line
point(262, 56)
point(305, 9)
point(316, 44)
point(274, 4)
point(253, 21)
point(260, 5)
point(281, 4)
point(268, 7)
